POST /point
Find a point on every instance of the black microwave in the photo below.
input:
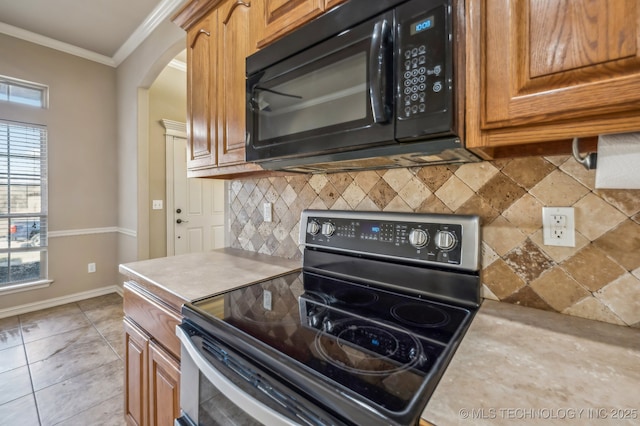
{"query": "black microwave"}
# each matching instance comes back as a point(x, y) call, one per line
point(368, 85)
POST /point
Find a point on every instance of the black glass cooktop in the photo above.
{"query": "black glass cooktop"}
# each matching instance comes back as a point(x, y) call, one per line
point(384, 346)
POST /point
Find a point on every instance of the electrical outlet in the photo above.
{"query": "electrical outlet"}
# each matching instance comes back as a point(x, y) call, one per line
point(558, 226)
point(91, 268)
point(156, 205)
point(267, 212)
point(267, 300)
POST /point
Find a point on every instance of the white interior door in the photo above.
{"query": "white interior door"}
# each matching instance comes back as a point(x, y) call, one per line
point(198, 211)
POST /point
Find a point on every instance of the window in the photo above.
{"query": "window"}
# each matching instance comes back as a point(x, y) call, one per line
point(23, 92)
point(23, 203)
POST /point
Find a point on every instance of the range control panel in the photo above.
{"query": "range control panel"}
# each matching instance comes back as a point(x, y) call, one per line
point(439, 239)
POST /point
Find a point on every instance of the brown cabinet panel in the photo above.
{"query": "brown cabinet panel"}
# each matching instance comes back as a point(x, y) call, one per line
point(328, 4)
point(135, 374)
point(218, 41)
point(164, 386)
point(283, 16)
point(155, 318)
point(547, 61)
point(541, 72)
point(201, 106)
point(152, 366)
point(580, 34)
point(236, 40)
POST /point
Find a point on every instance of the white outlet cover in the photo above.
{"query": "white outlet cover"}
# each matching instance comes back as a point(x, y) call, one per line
point(156, 205)
point(267, 212)
point(267, 300)
point(569, 239)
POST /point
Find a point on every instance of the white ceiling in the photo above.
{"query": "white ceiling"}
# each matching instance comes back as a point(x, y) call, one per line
point(105, 31)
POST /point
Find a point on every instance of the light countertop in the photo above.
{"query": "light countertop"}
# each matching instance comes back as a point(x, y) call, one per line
point(193, 276)
point(525, 366)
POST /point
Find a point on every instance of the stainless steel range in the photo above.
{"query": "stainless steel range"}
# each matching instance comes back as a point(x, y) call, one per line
point(360, 335)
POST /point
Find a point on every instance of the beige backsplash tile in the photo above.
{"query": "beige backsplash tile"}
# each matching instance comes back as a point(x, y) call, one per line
point(594, 216)
point(454, 193)
point(558, 289)
point(559, 189)
point(528, 171)
point(502, 235)
point(598, 279)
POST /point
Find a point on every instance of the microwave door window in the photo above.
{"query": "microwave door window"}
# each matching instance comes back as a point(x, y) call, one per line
point(313, 98)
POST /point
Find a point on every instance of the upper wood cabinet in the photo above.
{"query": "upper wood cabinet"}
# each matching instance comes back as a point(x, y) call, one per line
point(220, 35)
point(328, 4)
point(541, 70)
point(283, 16)
point(201, 90)
point(236, 39)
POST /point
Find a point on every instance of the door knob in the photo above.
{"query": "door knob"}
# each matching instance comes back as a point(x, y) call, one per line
point(181, 221)
point(179, 211)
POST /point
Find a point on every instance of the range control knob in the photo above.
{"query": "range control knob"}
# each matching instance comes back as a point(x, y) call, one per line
point(313, 227)
point(445, 240)
point(418, 238)
point(327, 325)
point(328, 229)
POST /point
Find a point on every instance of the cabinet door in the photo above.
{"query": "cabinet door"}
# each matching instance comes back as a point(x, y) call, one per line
point(328, 4)
point(201, 105)
point(236, 40)
point(283, 16)
point(136, 389)
point(164, 387)
point(547, 61)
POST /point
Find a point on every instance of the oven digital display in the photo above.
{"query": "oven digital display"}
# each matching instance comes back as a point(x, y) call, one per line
point(373, 228)
point(422, 25)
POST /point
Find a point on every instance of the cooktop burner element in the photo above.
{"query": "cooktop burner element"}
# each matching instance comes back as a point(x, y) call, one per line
point(368, 321)
point(355, 297)
point(369, 349)
point(420, 315)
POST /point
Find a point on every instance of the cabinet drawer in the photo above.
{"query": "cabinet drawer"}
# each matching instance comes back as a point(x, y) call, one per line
point(157, 320)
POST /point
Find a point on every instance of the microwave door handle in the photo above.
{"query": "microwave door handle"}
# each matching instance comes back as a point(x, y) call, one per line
point(378, 66)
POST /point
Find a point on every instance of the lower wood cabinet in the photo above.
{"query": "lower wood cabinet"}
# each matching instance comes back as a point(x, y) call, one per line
point(136, 389)
point(164, 386)
point(152, 367)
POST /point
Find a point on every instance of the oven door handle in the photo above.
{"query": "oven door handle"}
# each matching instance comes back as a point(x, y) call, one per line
point(379, 63)
point(247, 403)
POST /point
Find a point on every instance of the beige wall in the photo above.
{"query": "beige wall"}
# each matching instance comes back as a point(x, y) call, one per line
point(134, 76)
point(81, 123)
point(167, 100)
point(99, 133)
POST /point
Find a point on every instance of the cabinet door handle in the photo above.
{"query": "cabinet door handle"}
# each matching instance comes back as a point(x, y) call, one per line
point(202, 31)
point(236, 4)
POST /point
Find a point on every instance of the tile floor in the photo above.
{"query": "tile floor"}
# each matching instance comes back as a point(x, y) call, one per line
point(63, 365)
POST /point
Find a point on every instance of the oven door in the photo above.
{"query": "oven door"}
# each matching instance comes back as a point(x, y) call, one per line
point(219, 386)
point(335, 96)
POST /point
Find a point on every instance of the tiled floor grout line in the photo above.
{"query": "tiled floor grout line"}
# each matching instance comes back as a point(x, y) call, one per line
point(98, 331)
point(26, 358)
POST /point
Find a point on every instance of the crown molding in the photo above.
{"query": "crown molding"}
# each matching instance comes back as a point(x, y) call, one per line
point(161, 12)
point(25, 35)
point(178, 65)
point(174, 128)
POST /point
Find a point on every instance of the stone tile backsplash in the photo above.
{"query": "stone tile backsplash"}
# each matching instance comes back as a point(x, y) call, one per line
point(599, 278)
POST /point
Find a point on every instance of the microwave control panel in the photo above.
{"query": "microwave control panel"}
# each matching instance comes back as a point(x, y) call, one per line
point(423, 70)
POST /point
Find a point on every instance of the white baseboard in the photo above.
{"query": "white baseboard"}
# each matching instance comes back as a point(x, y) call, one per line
point(56, 301)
